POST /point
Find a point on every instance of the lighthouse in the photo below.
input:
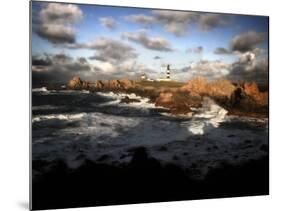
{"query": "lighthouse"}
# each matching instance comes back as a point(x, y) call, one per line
point(168, 72)
point(167, 75)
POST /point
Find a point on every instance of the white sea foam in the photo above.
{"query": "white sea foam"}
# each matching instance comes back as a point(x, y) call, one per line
point(46, 107)
point(42, 89)
point(206, 118)
point(58, 116)
point(144, 102)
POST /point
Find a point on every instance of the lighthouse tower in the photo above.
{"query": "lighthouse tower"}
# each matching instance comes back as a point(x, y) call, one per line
point(168, 72)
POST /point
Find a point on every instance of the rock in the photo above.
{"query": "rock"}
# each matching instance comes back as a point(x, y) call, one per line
point(220, 88)
point(114, 84)
point(129, 100)
point(177, 102)
point(127, 84)
point(199, 87)
point(252, 90)
point(99, 85)
point(87, 85)
point(122, 84)
point(196, 86)
point(75, 83)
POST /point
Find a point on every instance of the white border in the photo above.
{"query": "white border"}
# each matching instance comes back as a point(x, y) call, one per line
point(14, 86)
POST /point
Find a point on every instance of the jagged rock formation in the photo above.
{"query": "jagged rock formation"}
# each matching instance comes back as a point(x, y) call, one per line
point(199, 87)
point(99, 84)
point(196, 87)
point(122, 84)
point(177, 102)
point(252, 90)
point(75, 83)
point(129, 100)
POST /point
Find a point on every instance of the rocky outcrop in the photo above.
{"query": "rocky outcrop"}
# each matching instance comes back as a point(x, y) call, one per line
point(122, 84)
point(252, 90)
point(178, 102)
point(118, 85)
point(200, 86)
point(196, 86)
point(127, 84)
point(75, 83)
point(78, 84)
point(221, 88)
point(99, 85)
point(129, 100)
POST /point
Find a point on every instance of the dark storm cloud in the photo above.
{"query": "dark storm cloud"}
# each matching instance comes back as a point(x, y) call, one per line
point(157, 57)
point(208, 22)
point(60, 68)
point(107, 49)
point(198, 49)
point(55, 22)
point(247, 41)
point(178, 22)
point(250, 68)
point(221, 50)
point(41, 61)
point(152, 43)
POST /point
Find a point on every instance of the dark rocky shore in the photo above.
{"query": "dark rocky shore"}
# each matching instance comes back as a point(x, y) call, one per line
point(238, 98)
point(229, 160)
point(144, 179)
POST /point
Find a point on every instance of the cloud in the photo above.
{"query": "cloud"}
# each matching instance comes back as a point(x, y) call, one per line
point(208, 22)
point(40, 61)
point(109, 50)
point(178, 22)
point(56, 13)
point(221, 50)
point(249, 67)
point(141, 19)
point(58, 68)
point(246, 41)
point(153, 43)
point(55, 22)
point(157, 57)
point(175, 22)
point(108, 22)
point(198, 49)
point(57, 33)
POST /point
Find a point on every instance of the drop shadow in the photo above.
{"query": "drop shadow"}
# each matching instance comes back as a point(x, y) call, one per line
point(24, 205)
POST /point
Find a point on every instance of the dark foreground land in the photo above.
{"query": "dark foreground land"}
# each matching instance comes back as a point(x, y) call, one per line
point(142, 180)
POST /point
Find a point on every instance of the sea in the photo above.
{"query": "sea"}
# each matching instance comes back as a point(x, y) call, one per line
point(75, 126)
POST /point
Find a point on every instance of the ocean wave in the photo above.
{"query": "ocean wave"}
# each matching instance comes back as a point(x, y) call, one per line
point(42, 89)
point(58, 116)
point(144, 103)
point(208, 117)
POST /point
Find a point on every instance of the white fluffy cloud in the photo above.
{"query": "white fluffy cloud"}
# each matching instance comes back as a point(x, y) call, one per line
point(153, 43)
point(56, 22)
point(108, 22)
point(178, 22)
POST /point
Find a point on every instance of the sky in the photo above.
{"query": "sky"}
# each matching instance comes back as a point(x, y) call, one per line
point(103, 42)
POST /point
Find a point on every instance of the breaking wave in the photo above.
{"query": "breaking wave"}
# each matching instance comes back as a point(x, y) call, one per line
point(58, 116)
point(209, 116)
point(117, 97)
point(42, 89)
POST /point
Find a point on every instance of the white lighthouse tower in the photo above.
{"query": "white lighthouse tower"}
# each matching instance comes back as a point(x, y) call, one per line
point(167, 75)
